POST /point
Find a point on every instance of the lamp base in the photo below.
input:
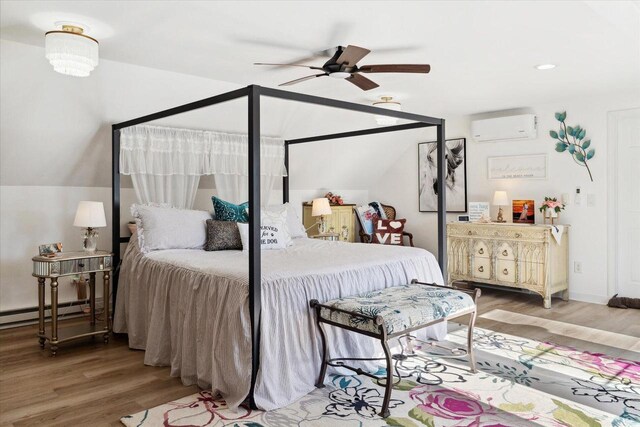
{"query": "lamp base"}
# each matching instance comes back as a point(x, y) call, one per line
point(500, 217)
point(90, 240)
point(322, 225)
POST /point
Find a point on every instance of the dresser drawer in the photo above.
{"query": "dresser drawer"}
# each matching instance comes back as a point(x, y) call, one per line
point(493, 231)
point(481, 268)
point(506, 271)
point(480, 249)
point(506, 251)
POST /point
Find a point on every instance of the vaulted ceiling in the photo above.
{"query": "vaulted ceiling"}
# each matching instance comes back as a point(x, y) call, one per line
point(482, 53)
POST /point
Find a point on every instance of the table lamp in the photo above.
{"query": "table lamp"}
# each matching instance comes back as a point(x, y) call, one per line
point(90, 215)
point(500, 199)
point(320, 207)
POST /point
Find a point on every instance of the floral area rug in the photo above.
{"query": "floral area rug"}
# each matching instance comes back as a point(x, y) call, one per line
point(520, 382)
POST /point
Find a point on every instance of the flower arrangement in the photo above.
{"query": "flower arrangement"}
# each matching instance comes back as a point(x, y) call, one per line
point(551, 203)
point(334, 199)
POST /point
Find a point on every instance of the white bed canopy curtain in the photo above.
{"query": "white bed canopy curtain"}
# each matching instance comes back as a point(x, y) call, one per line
point(165, 164)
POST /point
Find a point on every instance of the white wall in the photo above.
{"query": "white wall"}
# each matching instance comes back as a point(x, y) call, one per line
point(588, 234)
point(55, 151)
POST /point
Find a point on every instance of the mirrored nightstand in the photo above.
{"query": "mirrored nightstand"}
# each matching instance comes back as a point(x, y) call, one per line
point(67, 264)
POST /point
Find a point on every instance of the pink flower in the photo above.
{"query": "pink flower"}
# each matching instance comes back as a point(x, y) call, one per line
point(618, 368)
point(626, 370)
point(448, 404)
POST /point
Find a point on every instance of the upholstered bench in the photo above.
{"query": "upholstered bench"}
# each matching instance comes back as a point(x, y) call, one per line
point(394, 313)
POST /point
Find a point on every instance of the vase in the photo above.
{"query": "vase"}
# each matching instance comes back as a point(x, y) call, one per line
point(551, 215)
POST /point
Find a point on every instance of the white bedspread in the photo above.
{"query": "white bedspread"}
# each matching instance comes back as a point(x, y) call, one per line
point(189, 309)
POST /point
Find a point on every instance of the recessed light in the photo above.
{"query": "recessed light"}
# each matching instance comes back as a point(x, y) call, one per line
point(545, 66)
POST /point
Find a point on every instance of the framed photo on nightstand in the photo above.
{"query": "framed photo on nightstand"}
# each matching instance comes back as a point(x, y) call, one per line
point(50, 249)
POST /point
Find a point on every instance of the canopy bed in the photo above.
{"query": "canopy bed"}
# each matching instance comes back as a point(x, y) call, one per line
point(188, 284)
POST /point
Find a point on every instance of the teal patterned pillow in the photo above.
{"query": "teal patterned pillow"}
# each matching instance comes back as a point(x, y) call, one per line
point(225, 211)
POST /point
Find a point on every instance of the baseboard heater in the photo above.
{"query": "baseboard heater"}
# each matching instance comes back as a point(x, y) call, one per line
point(29, 315)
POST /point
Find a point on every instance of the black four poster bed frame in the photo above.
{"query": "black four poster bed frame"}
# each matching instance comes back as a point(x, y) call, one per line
point(254, 93)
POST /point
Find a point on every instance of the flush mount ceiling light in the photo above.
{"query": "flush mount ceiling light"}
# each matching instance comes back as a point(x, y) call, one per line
point(70, 51)
point(545, 66)
point(387, 102)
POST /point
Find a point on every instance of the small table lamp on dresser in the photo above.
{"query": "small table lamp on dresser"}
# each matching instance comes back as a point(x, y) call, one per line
point(321, 207)
point(500, 199)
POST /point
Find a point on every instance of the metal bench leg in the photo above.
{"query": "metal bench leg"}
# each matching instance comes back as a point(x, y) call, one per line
point(325, 359)
point(472, 357)
point(384, 413)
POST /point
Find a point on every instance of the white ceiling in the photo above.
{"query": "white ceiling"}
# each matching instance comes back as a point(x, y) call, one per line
point(482, 53)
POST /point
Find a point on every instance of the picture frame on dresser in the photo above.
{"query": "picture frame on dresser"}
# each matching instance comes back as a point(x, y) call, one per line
point(456, 173)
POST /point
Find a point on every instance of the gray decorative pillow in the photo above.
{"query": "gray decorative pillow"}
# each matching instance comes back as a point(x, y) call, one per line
point(222, 236)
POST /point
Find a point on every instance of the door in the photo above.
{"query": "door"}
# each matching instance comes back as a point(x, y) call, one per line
point(624, 131)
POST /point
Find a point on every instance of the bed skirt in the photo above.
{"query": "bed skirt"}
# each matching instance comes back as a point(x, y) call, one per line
point(198, 322)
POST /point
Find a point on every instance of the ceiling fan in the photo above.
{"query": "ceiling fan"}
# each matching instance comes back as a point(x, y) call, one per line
point(343, 65)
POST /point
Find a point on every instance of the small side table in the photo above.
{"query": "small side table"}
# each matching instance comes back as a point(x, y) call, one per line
point(327, 236)
point(68, 264)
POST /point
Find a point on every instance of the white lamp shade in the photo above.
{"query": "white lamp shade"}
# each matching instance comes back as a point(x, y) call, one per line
point(500, 198)
point(90, 214)
point(320, 207)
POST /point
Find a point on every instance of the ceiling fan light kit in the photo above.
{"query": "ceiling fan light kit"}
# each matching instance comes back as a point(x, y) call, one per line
point(387, 103)
point(344, 65)
point(70, 51)
point(340, 75)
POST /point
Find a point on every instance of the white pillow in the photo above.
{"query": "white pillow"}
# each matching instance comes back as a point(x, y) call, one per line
point(162, 227)
point(274, 233)
point(294, 224)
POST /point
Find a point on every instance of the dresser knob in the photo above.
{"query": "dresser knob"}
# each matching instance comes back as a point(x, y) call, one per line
point(505, 253)
point(505, 272)
point(481, 269)
point(518, 235)
point(469, 232)
point(481, 251)
point(81, 264)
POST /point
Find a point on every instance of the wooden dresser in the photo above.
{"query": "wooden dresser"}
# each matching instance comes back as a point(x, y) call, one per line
point(512, 255)
point(342, 220)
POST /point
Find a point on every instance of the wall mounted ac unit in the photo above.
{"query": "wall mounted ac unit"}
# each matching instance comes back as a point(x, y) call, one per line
point(523, 126)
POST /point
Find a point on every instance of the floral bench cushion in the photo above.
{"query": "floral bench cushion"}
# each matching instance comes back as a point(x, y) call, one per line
point(401, 307)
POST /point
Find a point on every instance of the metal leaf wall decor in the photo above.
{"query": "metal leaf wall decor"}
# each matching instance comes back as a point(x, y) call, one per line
point(573, 141)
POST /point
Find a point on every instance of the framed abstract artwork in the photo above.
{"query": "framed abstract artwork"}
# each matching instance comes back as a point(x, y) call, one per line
point(456, 176)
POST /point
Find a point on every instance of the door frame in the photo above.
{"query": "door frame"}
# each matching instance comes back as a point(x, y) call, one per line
point(613, 118)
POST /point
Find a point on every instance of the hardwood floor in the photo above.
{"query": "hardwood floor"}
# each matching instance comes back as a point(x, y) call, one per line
point(92, 384)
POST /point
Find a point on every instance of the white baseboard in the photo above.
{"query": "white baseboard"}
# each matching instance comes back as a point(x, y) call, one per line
point(31, 317)
point(595, 299)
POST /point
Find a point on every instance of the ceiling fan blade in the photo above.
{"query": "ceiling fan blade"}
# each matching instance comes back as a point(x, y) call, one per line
point(351, 55)
point(362, 82)
point(302, 79)
point(395, 68)
point(288, 65)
